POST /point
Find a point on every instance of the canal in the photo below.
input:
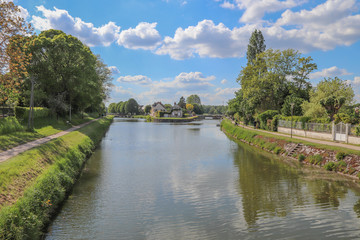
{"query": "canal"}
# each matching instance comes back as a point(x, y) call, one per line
point(190, 181)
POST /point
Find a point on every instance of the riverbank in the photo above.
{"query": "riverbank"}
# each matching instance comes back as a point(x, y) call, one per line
point(35, 183)
point(176, 120)
point(332, 158)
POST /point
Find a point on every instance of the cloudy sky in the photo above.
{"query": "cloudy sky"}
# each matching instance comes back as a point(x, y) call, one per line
point(160, 50)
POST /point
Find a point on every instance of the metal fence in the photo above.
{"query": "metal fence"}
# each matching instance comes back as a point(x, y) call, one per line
point(315, 127)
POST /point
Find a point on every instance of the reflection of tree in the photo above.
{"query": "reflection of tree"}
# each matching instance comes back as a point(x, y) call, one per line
point(326, 192)
point(357, 208)
point(266, 185)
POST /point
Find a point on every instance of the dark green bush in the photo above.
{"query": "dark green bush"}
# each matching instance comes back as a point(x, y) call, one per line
point(277, 150)
point(265, 116)
point(340, 156)
point(330, 166)
point(301, 158)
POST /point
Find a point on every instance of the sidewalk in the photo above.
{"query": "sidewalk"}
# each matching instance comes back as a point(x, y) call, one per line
point(24, 147)
point(337, 144)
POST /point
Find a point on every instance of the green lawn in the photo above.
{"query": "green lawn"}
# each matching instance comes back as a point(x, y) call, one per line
point(42, 128)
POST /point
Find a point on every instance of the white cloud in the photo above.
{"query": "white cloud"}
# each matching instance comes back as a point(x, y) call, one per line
point(144, 36)
point(329, 72)
point(307, 30)
point(219, 96)
point(207, 40)
point(86, 32)
point(138, 79)
point(254, 10)
point(114, 70)
point(224, 81)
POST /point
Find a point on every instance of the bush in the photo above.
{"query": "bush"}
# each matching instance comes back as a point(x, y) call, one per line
point(330, 166)
point(22, 113)
point(301, 158)
point(9, 125)
point(315, 159)
point(340, 156)
point(277, 150)
point(265, 116)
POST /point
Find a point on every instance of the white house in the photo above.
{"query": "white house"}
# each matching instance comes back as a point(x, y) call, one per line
point(176, 111)
point(157, 107)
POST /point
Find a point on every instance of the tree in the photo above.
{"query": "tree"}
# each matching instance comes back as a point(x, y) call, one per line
point(168, 107)
point(296, 109)
point(13, 59)
point(62, 65)
point(147, 109)
point(198, 109)
point(256, 45)
point(189, 107)
point(112, 108)
point(328, 97)
point(193, 99)
point(182, 102)
point(273, 76)
point(132, 107)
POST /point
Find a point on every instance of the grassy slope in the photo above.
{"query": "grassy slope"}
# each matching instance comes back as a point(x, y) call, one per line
point(248, 135)
point(43, 128)
point(33, 184)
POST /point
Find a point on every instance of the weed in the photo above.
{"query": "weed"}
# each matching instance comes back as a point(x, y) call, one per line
point(301, 158)
point(330, 166)
point(340, 155)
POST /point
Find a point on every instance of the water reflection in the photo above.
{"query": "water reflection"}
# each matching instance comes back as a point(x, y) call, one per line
point(189, 181)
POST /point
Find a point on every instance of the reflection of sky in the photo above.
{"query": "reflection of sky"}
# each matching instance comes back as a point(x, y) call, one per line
point(168, 181)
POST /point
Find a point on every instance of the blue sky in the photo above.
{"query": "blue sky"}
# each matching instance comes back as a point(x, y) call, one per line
point(160, 50)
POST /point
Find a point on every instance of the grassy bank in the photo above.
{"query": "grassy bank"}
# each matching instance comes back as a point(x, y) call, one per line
point(35, 183)
point(12, 133)
point(331, 158)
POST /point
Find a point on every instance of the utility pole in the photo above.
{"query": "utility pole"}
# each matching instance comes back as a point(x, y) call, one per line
point(31, 109)
point(292, 108)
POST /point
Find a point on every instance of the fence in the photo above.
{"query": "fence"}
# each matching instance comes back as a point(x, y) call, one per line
point(315, 127)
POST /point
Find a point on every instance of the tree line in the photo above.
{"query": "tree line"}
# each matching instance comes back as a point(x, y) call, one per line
point(58, 69)
point(276, 82)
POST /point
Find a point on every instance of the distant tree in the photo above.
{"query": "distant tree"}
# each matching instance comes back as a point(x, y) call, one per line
point(189, 107)
point(122, 109)
point(168, 107)
point(256, 45)
point(182, 102)
point(328, 97)
point(147, 109)
point(118, 107)
point(198, 109)
point(112, 108)
point(193, 99)
point(132, 107)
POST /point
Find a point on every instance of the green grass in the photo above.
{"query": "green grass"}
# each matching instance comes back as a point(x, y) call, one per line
point(36, 182)
point(140, 116)
point(42, 127)
point(252, 133)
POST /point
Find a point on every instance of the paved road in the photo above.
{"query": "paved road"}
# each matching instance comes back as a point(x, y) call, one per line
point(337, 144)
point(24, 147)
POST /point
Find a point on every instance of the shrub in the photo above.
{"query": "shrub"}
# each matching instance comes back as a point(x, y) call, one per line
point(342, 164)
point(265, 116)
point(330, 166)
point(340, 156)
point(301, 158)
point(9, 125)
point(22, 113)
point(277, 150)
point(315, 159)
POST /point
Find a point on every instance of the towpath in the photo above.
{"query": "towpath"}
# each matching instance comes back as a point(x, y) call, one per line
point(329, 143)
point(24, 147)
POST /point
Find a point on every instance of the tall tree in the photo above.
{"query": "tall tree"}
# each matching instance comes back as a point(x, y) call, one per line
point(193, 99)
point(256, 45)
point(182, 102)
point(132, 106)
point(328, 97)
point(13, 28)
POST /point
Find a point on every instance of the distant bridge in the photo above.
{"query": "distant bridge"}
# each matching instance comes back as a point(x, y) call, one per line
point(210, 116)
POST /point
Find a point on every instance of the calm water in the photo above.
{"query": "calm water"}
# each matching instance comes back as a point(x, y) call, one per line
point(189, 181)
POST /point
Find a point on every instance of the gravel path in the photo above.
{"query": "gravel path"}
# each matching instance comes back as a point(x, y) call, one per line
point(24, 147)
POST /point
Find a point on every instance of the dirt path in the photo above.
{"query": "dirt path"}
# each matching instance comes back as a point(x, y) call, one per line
point(337, 144)
point(24, 147)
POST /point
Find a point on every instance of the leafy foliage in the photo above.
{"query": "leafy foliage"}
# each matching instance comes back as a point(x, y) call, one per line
point(256, 45)
point(193, 99)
